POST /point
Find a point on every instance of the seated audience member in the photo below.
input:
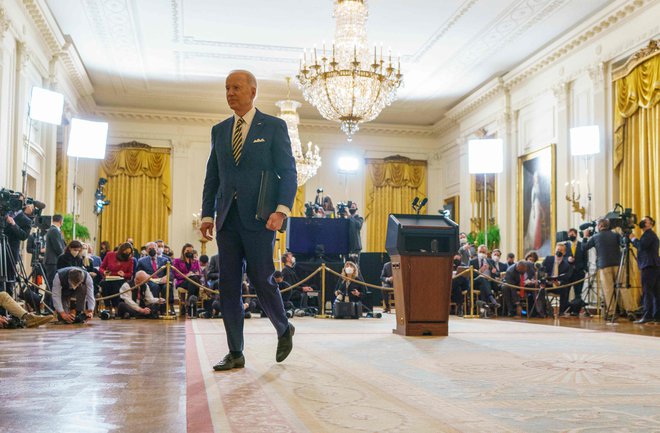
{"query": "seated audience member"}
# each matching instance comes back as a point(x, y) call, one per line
point(96, 260)
point(459, 285)
point(188, 266)
point(160, 249)
point(117, 268)
point(12, 307)
point(169, 252)
point(521, 275)
point(71, 256)
point(299, 295)
point(140, 302)
point(387, 280)
point(510, 259)
point(500, 268)
point(158, 282)
point(70, 283)
point(104, 248)
point(349, 291)
point(532, 256)
point(487, 267)
point(89, 265)
point(204, 267)
point(283, 285)
point(559, 273)
point(212, 304)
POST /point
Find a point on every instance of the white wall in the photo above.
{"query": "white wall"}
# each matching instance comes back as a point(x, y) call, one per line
point(565, 85)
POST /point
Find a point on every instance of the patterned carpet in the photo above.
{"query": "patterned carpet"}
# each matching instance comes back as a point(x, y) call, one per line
point(487, 376)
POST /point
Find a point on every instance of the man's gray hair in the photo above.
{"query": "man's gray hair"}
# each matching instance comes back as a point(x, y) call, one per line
point(604, 223)
point(251, 79)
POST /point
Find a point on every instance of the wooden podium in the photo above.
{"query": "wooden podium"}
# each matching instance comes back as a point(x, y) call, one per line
point(421, 248)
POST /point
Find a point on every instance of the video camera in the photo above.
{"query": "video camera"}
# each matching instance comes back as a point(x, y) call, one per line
point(10, 201)
point(311, 209)
point(342, 208)
point(625, 219)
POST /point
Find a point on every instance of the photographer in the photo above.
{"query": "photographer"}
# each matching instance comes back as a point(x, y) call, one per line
point(355, 222)
point(140, 302)
point(608, 252)
point(649, 264)
point(522, 274)
point(29, 320)
point(73, 282)
point(54, 248)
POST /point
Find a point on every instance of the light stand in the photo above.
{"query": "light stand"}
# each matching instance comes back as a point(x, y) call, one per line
point(45, 106)
point(485, 156)
point(87, 140)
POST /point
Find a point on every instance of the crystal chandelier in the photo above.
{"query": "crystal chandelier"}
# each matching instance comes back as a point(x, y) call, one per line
point(308, 163)
point(349, 87)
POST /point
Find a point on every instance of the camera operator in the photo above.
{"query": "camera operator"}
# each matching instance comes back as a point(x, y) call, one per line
point(355, 222)
point(649, 264)
point(608, 257)
point(73, 282)
point(17, 228)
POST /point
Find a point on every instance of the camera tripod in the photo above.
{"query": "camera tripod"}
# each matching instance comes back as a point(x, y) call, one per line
point(623, 270)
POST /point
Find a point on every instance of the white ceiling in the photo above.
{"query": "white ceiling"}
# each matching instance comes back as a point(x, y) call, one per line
point(174, 54)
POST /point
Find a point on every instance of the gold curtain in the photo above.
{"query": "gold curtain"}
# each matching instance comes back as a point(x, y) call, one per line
point(391, 185)
point(637, 137)
point(61, 173)
point(140, 192)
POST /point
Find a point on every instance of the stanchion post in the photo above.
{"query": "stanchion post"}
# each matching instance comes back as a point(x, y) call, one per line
point(167, 293)
point(323, 289)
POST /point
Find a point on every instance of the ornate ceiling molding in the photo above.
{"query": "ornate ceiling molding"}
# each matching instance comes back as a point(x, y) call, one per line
point(652, 49)
point(493, 88)
point(4, 23)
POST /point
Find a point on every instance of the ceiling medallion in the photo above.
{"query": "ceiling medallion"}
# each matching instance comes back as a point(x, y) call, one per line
point(308, 163)
point(350, 86)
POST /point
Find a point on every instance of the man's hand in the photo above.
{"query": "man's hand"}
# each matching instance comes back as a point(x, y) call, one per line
point(207, 230)
point(275, 221)
point(3, 320)
point(571, 259)
point(307, 289)
point(145, 311)
point(10, 221)
point(355, 292)
point(89, 314)
point(67, 317)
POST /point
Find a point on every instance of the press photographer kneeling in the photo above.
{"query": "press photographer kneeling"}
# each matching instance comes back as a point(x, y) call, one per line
point(73, 282)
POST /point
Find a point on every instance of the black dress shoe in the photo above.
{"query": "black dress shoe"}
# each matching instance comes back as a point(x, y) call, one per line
point(229, 362)
point(285, 344)
point(643, 320)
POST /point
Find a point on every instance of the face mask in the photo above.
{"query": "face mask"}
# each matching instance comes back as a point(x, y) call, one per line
point(559, 254)
point(572, 238)
point(481, 256)
point(152, 253)
point(352, 211)
point(496, 258)
point(293, 260)
point(189, 255)
point(457, 262)
point(160, 251)
point(463, 241)
point(642, 224)
point(75, 253)
point(349, 271)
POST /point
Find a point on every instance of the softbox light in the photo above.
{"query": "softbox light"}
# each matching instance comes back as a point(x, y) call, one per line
point(46, 106)
point(585, 140)
point(485, 156)
point(87, 139)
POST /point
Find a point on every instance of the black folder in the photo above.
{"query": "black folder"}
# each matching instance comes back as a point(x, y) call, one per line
point(268, 190)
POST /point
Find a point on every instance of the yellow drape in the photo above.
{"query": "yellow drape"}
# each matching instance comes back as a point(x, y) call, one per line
point(391, 185)
point(637, 143)
point(140, 192)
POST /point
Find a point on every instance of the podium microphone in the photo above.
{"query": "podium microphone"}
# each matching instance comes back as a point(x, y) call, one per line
point(421, 205)
point(414, 203)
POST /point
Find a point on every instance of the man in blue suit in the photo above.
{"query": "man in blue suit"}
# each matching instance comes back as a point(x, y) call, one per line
point(242, 148)
point(559, 271)
point(649, 263)
point(157, 283)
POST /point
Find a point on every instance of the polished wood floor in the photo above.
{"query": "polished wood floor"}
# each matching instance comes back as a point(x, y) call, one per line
point(108, 376)
point(128, 376)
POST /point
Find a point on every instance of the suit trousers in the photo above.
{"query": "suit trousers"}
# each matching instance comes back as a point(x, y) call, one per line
point(237, 245)
point(651, 295)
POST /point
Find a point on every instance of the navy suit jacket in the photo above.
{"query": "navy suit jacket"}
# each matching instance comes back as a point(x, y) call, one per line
point(647, 250)
point(145, 264)
point(267, 147)
point(565, 270)
point(581, 256)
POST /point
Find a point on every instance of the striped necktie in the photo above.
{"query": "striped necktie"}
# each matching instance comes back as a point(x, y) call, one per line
point(237, 140)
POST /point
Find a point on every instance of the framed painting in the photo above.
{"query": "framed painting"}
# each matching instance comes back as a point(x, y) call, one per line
point(451, 204)
point(536, 202)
